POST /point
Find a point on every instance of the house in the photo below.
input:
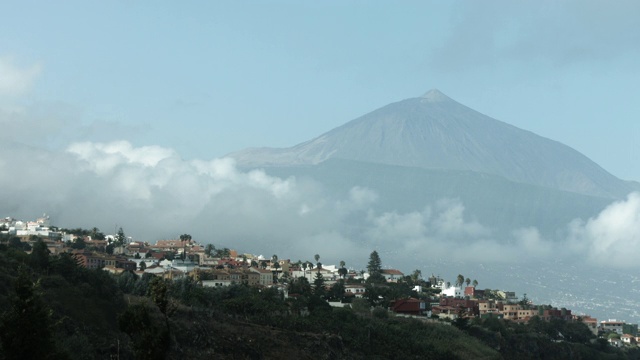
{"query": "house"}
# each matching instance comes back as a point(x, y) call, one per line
point(355, 289)
point(461, 306)
point(487, 307)
point(392, 275)
point(409, 306)
point(266, 276)
point(445, 312)
point(452, 291)
point(628, 339)
point(89, 259)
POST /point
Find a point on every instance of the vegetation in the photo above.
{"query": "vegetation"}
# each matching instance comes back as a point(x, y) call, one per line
point(55, 309)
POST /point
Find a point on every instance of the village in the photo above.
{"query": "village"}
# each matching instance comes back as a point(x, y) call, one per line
point(434, 299)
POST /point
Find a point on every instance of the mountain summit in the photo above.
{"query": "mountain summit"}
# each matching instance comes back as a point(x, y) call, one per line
point(434, 95)
point(435, 132)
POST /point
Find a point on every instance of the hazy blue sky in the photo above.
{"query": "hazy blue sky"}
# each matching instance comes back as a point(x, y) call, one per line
point(206, 78)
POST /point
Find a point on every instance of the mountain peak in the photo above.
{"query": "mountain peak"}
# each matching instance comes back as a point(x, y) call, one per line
point(434, 95)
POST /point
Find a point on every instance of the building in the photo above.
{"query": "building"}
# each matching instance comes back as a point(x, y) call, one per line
point(392, 275)
point(409, 306)
point(612, 325)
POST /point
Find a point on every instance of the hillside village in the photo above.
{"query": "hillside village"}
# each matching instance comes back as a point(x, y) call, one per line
point(430, 299)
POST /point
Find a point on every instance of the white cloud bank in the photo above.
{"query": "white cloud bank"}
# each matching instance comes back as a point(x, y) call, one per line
point(612, 238)
point(153, 194)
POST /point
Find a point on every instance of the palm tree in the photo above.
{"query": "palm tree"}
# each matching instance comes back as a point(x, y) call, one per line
point(475, 283)
point(416, 275)
point(459, 280)
point(310, 266)
point(275, 264)
point(209, 249)
point(468, 281)
point(342, 271)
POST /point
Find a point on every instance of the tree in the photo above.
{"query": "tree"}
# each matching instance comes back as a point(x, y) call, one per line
point(96, 234)
point(475, 283)
point(185, 237)
point(342, 271)
point(318, 263)
point(209, 249)
point(143, 265)
point(78, 243)
point(416, 275)
point(120, 239)
point(318, 285)
point(467, 281)
point(39, 257)
point(310, 266)
point(275, 264)
point(375, 269)
point(337, 290)
point(26, 327)
point(459, 280)
point(300, 286)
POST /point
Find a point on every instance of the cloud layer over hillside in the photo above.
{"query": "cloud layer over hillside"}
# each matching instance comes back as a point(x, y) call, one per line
point(154, 194)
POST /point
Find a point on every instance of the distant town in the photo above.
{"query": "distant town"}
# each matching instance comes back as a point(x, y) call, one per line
point(430, 298)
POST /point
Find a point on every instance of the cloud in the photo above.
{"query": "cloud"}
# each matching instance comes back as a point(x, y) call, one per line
point(16, 80)
point(612, 238)
point(153, 194)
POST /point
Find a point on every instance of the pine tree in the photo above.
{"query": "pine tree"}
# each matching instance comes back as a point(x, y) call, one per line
point(374, 267)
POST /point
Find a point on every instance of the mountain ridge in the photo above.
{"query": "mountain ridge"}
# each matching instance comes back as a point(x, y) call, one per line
point(436, 132)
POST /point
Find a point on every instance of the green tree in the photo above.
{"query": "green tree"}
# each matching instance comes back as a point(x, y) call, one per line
point(96, 234)
point(276, 265)
point(459, 280)
point(78, 243)
point(39, 257)
point(143, 266)
point(416, 275)
point(337, 290)
point(374, 267)
point(300, 286)
point(342, 271)
point(26, 327)
point(318, 285)
point(318, 263)
point(209, 249)
point(121, 238)
point(475, 283)
point(467, 281)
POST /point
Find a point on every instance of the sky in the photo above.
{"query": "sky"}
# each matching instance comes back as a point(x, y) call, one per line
point(210, 78)
point(119, 114)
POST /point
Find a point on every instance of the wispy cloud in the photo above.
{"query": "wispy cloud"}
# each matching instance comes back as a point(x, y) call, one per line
point(16, 79)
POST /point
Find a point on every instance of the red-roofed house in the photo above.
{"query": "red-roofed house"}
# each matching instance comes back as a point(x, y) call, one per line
point(409, 306)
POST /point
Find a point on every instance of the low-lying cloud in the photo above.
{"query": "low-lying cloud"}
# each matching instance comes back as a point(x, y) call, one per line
point(154, 194)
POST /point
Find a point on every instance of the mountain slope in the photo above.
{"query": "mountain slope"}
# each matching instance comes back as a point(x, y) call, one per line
point(436, 132)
